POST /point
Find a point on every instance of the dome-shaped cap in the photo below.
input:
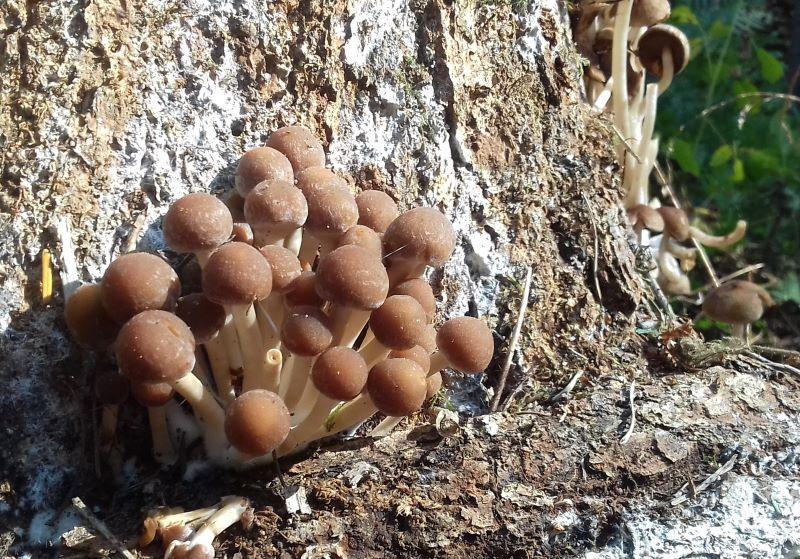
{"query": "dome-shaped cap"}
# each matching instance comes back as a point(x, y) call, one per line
point(197, 222)
point(399, 322)
point(428, 339)
point(203, 317)
point(340, 373)
point(299, 145)
point(111, 388)
point(275, 208)
point(420, 290)
point(737, 302)
point(467, 343)
point(417, 353)
point(422, 234)
point(306, 331)
point(363, 236)
point(285, 267)
point(257, 422)
point(643, 216)
point(155, 346)
point(655, 41)
point(137, 282)
point(397, 387)
point(303, 291)
point(88, 322)
point(675, 222)
point(353, 277)
point(645, 13)
point(433, 385)
point(332, 209)
point(152, 394)
point(259, 165)
point(376, 210)
point(236, 274)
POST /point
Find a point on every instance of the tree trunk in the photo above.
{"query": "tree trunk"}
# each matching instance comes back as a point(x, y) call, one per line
point(113, 109)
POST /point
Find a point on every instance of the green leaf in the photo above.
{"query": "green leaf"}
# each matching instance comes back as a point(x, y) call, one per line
point(744, 87)
point(771, 67)
point(738, 170)
point(683, 15)
point(719, 31)
point(683, 153)
point(788, 289)
point(721, 156)
point(762, 163)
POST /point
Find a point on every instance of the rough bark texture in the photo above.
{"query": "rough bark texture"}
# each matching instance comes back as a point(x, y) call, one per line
point(113, 109)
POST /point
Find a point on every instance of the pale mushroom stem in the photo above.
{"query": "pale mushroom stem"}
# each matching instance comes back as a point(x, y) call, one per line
point(108, 424)
point(667, 264)
point(667, 70)
point(256, 374)
point(373, 352)
point(201, 369)
point(227, 515)
point(207, 410)
point(163, 450)
point(271, 312)
point(306, 430)
point(602, 98)
point(619, 63)
point(294, 240)
point(294, 379)
point(385, 427)
point(347, 324)
point(308, 249)
point(739, 331)
point(183, 427)
point(220, 369)
point(679, 251)
point(637, 189)
point(720, 242)
point(308, 399)
point(352, 413)
point(438, 362)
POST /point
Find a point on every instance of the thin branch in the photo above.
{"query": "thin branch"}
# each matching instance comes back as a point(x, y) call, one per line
point(100, 527)
point(721, 471)
point(631, 397)
point(567, 390)
point(596, 249)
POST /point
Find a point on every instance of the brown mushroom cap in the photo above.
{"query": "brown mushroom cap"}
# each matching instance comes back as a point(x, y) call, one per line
point(299, 145)
point(137, 282)
point(353, 277)
point(675, 222)
point(203, 317)
point(737, 302)
point(642, 216)
point(397, 387)
point(399, 322)
point(235, 204)
point(420, 290)
point(428, 339)
point(275, 208)
point(467, 343)
point(417, 353)
point(340, 373)
point(236, 274)
point(332, 209)
point(645, 13)
point(242, 233)
point(376, 210)
point(175, 532)
point(306, 331)
point(152, 394)
point(155, 346)
point(433, 385)
point(197, 222)
point(658, 39)
point(111, 388)
point(87, 319)
point(363, 236)
point(285, 267)
point(257, 422)
point(421, 234)
point(259, 165)
point(303, 291)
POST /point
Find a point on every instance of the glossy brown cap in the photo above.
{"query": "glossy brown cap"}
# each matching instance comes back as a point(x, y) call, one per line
point(137, 282)
point(645, 13)
point(675, 222)
point(242, 233)
point(275, 208)
point(155, 346)
point(467, 344)
point(90, 325)
point(303, 291)
point(285, 267)
point(376, 210)
point(111, 388)
point(737, 302)
point(299, 145)
point(197, 222)
point(655, 41)
point(236, 274)
point(203, 317)
point(420, 290)
point(417, 353)
point(340, 373)
point(306, 331)
point(642, 216)
point(353, 277)
point(257, 422)
point(363, 236)
point(152, 394)
point(433, 385)
point(399, 322)
point(397, 387)
point(423, 234)
point(259, 165)
point(332, 209)
point(428, 339)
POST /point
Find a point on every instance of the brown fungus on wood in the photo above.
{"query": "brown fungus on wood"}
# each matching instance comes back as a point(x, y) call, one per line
point(261, 164)
point(737, 302)
point(464, 344)
point(376, 210)
point(299, 145)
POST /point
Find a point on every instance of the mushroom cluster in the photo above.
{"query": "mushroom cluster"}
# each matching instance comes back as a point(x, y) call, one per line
point(625, 42)
point(311, 316)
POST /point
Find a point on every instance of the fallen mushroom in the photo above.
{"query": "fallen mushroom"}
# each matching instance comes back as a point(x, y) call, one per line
point(231, 511)
point(737, 302)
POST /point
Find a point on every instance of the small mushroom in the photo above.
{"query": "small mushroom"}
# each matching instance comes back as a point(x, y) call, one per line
point(155, 396)
point(417, 238)
point(417, 353)
point(397, 324)
point(259, 165)
point(737, 302)
point(397, 387)
point(257, 422)
point(363, 236)
point(276, 210)
point(271, 311)
point(305, 333)
point(299, 145)
point(465, 344)
point(641, 217)
point(420, 290)
point(303, 291)
point(664, 52)
point(198, 223)
point(645, 13)
point(90, 325)
point(376, 210)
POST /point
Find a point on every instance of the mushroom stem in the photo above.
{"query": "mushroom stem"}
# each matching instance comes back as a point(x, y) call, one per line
point(602, 98)
point(637, 190)
point(308, 249)
point(347, 324)
point(183, 427)
point(668, 70)
point(385, 427)
point(201, 367)
point(739, 331)
point(619, 66)
point(230, 340)
point(163, 450)
point(679, 251)
point(667, 264)
point(271, 312)
point(206, 409)
point(294, 240)
point(306, 403)
point(256, 373)
point(108, 424)
point(220, 369)
point(307, 429)
point(228, 514)
point(373, 352)
point(720, 242)
point(438, 362)
point(294, 378)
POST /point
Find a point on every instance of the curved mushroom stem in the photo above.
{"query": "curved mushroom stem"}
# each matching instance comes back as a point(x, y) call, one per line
point(294, 240)
point(667, 264)
point(385, 427)
point(305, 405)
point(438, 362)
point(637, 191)
point(220, 369)
point(306, 431)
point(208, 413)
point(294, 378)
point(347, 324)
point(230, 512)
point(619, 66)
point(373, 352)
point(667, 70)
point(163, 450)
point(679, 251)
point(720, 242)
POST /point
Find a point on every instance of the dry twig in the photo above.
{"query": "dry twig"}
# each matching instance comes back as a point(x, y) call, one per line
point(100, 527)
point(721, 471)
point(631, 397)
